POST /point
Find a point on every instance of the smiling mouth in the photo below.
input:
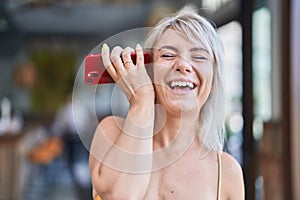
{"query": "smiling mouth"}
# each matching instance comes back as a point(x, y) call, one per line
point(182, 85)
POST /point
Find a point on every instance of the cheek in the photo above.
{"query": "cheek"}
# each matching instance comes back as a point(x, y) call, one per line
point(160, 92)
point(205, 74)
point(161, 67)
point(159, 72)
point(157, 75)
point(209, 77)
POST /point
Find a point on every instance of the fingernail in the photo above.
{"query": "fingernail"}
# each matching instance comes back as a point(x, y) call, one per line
point(138, 46)
point(104, 46)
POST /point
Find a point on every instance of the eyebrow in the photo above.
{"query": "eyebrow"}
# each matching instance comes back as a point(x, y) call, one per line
point(168, 47)
point(175, 49)
point(199, 49)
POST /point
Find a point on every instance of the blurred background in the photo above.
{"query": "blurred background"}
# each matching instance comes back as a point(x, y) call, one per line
point(44, 42)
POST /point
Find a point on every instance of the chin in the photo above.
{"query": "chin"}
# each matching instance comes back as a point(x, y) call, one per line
point(181, 108)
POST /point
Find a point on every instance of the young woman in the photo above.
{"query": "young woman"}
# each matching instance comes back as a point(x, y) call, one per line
point(169, 146)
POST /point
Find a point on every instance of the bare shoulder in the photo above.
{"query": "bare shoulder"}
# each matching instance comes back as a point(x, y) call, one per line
point(232, 178)
point(230, 165)
point(111, 123)
point(106, 133)
point(110, 128)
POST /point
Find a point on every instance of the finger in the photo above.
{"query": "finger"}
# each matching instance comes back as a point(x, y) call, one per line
point(115, 57)
point(126, 56)
point(106, 60)
point(139, 56)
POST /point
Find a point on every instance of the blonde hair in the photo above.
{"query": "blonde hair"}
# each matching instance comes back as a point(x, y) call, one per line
point(196, 28)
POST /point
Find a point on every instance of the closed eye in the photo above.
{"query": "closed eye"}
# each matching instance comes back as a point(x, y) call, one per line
point(168, 56)
point(199, 58)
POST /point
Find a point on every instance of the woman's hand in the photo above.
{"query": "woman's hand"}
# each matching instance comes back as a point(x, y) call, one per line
point(132, 79)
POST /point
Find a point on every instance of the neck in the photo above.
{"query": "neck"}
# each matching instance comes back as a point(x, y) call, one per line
point(178, 129)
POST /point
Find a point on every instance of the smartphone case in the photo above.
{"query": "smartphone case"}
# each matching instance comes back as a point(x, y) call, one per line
point(95, 73)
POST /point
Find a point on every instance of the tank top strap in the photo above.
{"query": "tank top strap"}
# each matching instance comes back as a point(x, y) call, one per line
point(219, 175)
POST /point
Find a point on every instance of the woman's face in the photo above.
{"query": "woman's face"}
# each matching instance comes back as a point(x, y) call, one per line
point(183, 73)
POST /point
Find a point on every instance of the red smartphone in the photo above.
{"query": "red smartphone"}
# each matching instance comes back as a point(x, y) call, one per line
point(95, 73)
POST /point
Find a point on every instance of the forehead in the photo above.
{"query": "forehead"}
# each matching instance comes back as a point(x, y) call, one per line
point(178, 39)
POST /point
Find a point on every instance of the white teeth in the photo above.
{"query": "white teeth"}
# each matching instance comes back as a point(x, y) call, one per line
point(182, 84)
point(190, 85)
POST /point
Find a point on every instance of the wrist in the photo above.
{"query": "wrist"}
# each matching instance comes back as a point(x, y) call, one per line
point(142, 97)
point(142, 109)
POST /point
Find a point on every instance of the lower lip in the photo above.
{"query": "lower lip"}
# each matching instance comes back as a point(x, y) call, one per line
point(181, 92)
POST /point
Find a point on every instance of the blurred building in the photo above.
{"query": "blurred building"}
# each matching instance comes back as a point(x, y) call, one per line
point(42, 47)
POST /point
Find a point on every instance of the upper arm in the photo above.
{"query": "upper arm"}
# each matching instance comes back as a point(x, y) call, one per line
point(232, 178)
point(108, 179)
point(105, 136)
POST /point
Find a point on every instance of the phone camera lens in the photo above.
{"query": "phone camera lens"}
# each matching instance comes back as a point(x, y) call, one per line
point(95, 75)
point(90, 80)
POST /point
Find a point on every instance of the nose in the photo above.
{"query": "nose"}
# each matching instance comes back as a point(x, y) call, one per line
point(182, 65)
